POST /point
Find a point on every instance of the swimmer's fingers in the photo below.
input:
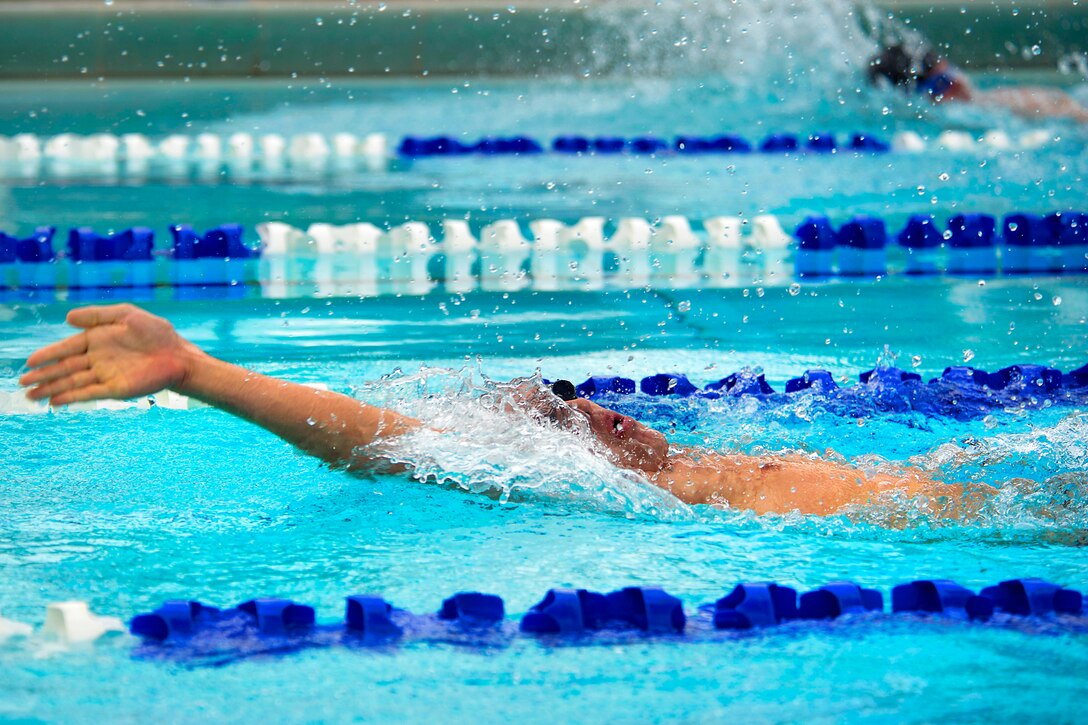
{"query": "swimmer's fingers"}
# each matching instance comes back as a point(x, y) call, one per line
point(66, 366)
point(68, 347)
point(86, 392)
point(78, 344)
point(64, 387)
point(95, 315)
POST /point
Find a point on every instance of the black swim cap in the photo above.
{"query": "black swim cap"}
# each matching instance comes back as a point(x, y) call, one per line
point(564, 389)
point(894, 64)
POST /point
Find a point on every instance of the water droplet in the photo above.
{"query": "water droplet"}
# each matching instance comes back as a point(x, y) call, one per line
point(795, 289)
point(968, 355)
point(1057, 300)
point(916, 361)
point(943, 176)
point(683, 306)
point(311, 421)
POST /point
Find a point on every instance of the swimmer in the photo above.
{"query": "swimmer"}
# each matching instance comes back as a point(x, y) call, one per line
point(124, 352)
point(930, 74)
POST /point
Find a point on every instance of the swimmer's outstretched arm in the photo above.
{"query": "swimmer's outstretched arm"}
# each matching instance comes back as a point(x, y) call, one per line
point(124, 352)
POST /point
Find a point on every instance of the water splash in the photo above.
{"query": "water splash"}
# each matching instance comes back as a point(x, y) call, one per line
point(780, 46)
point(1028, 484)
point(481, 437)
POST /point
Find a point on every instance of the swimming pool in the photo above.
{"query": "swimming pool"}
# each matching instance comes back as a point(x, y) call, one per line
point(128, 508)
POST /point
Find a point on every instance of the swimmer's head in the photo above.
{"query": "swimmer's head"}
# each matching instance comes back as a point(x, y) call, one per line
point(902, 68)
point(629, 444)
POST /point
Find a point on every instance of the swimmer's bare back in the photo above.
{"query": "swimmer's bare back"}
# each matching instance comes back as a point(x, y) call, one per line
point(808, 485)
point(1034, 102)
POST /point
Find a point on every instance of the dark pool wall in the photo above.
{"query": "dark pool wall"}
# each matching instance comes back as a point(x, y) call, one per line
point(151, 38)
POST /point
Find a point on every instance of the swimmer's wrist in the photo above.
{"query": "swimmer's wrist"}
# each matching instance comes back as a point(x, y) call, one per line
point(193, 363)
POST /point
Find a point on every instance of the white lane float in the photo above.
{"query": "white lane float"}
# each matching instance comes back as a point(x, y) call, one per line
point(568, 257)
point(407, 250)
point(675, 250)
point(73, 622)
point(631, 243)
point(461, 250)
point(725, 248)
point(504, 256)
point(772, 245)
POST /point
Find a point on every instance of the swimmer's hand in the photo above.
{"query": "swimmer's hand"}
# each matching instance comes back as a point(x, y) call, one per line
point(123, 352)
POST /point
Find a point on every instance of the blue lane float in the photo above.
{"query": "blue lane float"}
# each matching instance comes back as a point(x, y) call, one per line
point(372, 616)
point(816, 243)
point(188, 630)
point(415, 147)
point(818, 380)
point(968, 245)
point(972, 244)
point(941, 596)
point(869, 144)
point(922, 241)
point(567, 612)
point(863, 242)
point(219, 256)
point(1033, 598)
point(667, 384)
point(837, 599)
point(739, 383)
point(575, 612)
point(750, 605)
point(779, 143)
point(597, 386)
point(960, 392)
point(31, 257)
point(472, 608)
point(123, 259)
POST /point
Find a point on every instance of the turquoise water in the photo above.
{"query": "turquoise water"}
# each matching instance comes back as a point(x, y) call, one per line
point(485, 189)
point(126, 509)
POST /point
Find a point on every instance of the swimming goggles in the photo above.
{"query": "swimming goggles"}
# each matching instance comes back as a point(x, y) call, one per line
point(564, 390)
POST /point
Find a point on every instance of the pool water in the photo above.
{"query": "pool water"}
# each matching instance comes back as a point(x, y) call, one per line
point(129, 508)
point(483, 189)
point(126, 509)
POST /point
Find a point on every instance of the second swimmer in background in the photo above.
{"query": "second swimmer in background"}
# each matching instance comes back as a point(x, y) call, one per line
point(925, 72)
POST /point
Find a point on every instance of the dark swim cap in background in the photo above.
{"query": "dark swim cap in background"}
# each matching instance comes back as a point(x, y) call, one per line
point(894, 64)
point(564, 389)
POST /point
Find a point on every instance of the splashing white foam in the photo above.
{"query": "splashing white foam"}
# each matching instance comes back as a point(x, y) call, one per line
point(783, 44)
point(480, 438)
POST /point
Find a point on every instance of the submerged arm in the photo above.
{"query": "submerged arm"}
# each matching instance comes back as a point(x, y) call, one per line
point(124, 352)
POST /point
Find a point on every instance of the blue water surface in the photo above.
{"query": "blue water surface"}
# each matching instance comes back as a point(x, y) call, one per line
point(128, 508)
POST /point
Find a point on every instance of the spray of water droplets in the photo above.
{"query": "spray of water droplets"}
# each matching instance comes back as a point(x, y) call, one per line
point(482, 437)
